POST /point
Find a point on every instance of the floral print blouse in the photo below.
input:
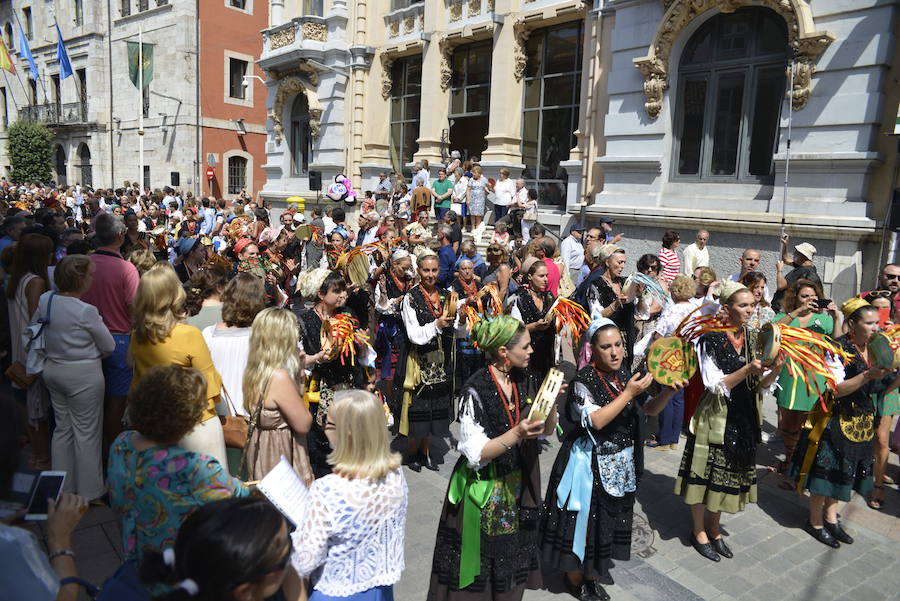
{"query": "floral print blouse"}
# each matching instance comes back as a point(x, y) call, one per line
point(154, 490)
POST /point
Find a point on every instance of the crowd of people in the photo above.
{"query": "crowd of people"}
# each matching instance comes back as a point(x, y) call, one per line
point(167, 352)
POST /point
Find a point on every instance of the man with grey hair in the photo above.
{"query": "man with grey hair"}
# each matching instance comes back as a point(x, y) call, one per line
point(696, 254)
point(112, 292)
point(446, 256)
point(368, 228)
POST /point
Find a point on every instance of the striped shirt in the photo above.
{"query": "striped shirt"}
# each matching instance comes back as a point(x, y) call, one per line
point(669, 264)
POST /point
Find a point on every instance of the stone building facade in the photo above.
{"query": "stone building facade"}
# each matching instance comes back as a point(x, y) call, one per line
point(690, 107)
point(188, 112)
point(378, 84)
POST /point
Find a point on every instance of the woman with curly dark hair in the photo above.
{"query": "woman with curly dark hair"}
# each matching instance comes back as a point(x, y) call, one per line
point(154, 483)
point(203, 291)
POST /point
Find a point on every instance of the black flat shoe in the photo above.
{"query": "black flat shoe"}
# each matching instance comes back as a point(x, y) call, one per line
point(414, 464)
point(599, 591)
point(822, 535)
point(838, 532)
point(429, 463)
point(707, 550)
point(721, 548)
point(583, 591)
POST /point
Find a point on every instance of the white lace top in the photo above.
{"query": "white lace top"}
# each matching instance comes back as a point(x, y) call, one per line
point(351, 537)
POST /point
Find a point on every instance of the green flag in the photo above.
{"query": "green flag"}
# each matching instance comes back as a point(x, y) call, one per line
point(133, 58)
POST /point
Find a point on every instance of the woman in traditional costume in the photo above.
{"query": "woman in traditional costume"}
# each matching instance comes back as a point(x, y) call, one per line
point(424, 379)
point(609, 298)
point(390, 336)
point(487, 539)
point(530, 304)
point(327, 371)
point(718, 468)
point(794, 397)
point(835, 456)
point(468, 358)
point(590, 498)
point(887, 406)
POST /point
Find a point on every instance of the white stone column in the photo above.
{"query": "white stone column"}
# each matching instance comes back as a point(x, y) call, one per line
point(505, 121)
point(435, 106)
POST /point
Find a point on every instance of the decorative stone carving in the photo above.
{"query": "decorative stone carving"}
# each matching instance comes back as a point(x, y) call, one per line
point(408, 24)
point(455, 11)
point(490, 6)
point(386, 83)
point(474, 7)
point(446, 56)
point(520, 57)
point(282, 38)
point(420, 21)
point(315, 31)
point(287, 88)
point(394, 29)
point(807, 44)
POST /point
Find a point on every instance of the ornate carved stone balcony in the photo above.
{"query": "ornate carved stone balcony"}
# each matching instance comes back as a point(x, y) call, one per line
point(294, 34)
point(70, 113)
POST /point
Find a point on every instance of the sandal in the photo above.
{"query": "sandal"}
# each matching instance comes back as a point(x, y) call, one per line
point(888, 480)
point(874, 502)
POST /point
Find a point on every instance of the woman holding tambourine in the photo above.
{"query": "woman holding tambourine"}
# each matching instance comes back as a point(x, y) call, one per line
point(487, 539)
point(801, 310)
point(530, 305)
point(835, 456)
point(718, 468)
point(590, 498)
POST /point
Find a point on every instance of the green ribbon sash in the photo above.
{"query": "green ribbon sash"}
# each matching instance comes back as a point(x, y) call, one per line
point(466, 486)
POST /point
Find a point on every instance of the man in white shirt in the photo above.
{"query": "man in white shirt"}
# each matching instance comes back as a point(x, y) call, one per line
point(750, 262)
point(504, 192)
point(420, 176)
point(572, 252)
point(696, 254)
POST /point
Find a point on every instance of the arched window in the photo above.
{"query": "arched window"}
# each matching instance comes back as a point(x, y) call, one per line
point(84, 165)
point(59, 165)
point(730, 89)
point(237, 174)
point(7, 35)
point(300, 135)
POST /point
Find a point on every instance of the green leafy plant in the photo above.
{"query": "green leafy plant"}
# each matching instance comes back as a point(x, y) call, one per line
point(30, 151)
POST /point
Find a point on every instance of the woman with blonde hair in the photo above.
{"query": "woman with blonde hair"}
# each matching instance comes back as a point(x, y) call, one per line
point(279, 419)
point(352, 532)
point(159, 337)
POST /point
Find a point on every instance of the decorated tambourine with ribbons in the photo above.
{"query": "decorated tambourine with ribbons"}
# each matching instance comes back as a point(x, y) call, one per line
point(568, 313)
point(339, 336)
point(673, 358)
point(806, 355)
point(884, 348)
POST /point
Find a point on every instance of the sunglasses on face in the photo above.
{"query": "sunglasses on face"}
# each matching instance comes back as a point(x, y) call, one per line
point(890, 276)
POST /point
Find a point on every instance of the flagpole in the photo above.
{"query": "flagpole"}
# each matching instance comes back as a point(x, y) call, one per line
point(141, 103)
point(11, 95)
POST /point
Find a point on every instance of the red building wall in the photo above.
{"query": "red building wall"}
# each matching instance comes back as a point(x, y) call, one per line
point(225, 30)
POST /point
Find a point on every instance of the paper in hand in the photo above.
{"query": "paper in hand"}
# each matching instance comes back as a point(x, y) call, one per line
point(284, 488)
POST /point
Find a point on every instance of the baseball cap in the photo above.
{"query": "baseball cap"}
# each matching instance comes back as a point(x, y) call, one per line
point(576, 227)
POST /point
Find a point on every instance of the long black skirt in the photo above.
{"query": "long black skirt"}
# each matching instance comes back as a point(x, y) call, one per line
point(608, 531)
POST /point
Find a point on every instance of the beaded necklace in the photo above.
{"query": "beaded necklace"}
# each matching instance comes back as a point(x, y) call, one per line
point(434, 306)
point(507, 406)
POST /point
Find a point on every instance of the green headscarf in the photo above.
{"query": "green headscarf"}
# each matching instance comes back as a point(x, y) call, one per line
point(490, 334)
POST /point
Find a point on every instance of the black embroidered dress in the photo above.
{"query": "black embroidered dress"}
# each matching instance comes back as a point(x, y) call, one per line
point(423, 381)
point(599, 295)
point(508, 560)
point(844, 459)
point(609, 481)
point(325, 379)
point(543, 342)
point(718, 467)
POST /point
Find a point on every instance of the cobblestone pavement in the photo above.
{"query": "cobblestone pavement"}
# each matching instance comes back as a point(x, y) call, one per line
point(774, 558)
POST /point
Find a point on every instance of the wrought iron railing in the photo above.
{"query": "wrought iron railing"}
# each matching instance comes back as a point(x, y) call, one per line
point(55, 114)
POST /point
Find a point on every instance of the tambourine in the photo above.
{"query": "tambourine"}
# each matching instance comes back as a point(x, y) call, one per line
point(883, 353)
point(451, 304)
point(768, 343)
point(546, 396)
point(326, 339)
point(671, 360)
point(355, 267)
